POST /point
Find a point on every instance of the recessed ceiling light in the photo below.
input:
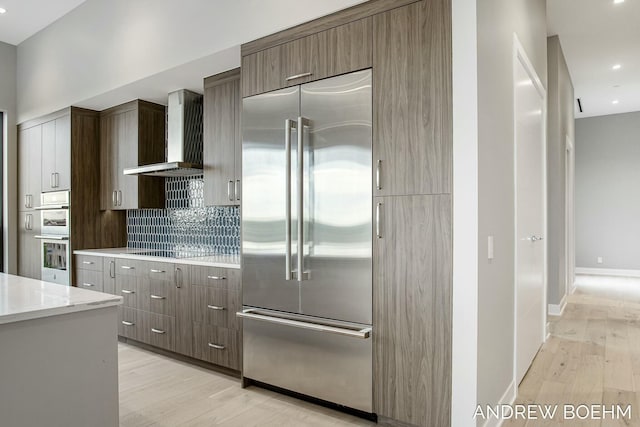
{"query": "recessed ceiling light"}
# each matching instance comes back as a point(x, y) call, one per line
point(615, 101)
point(617, 67)
point(618, 1)
point(3, 10)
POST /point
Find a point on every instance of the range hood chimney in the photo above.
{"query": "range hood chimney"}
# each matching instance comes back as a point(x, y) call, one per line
point(184, 138)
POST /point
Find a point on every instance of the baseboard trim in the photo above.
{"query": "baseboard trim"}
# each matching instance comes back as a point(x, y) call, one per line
point(557, 309)
point(608, 272)
point(508, 398)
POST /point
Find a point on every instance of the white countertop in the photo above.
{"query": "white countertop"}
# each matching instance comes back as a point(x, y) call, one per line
point(25, 299)
point(223, 261)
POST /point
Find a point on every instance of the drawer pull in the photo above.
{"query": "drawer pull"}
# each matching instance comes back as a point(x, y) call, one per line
point(157, 297)
point(158, 331)
point(216, 277)
point(90, 285)
point(125, 323)
point(126, 291)
point(87, 262)
point(298, 76)
point(126, 267)
point(157, 271)
point(216, 346)
point(215, 307)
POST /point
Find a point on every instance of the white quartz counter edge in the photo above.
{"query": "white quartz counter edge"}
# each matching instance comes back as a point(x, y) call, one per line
point(26, 299)
point(222, 261)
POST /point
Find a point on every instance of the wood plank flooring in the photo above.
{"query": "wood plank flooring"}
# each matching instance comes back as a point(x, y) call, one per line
point(159, 391)
point(592, 355)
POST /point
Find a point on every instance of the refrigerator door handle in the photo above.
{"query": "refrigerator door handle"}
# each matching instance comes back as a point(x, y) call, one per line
point(288, 126)
point(302, 122)
point(251, 313)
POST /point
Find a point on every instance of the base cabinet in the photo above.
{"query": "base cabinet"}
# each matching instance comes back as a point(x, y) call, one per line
point(29, 258)
point(220, 346)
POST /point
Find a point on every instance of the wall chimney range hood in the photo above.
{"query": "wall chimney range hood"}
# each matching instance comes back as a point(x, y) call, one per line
point(184, 138)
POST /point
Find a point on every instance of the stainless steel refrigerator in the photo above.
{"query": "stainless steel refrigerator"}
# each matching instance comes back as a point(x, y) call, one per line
point(307, 239)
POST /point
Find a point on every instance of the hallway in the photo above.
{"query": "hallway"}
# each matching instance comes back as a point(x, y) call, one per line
point(592, 355)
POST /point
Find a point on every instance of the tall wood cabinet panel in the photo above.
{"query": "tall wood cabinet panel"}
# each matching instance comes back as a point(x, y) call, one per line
point(338, 50)
point(131, 135)
point(28, 245)
point(29, 167)
point(222, 140)
point(412, 98)
point(412, 303)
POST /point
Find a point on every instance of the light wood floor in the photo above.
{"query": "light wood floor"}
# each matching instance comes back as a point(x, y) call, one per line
point(158, 391)
point(592, 355)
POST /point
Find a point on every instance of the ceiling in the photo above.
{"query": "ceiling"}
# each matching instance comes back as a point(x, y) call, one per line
point(596, 35)
point(24, 18)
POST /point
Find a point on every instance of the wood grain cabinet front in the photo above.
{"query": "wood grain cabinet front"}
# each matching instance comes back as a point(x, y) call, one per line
point(89, 279)
point(128, 323)
point(214, 306)
point(217, 345)
point(157, 330)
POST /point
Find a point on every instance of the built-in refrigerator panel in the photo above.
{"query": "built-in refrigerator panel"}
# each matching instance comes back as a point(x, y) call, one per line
point(338, 198)
point(264, 180)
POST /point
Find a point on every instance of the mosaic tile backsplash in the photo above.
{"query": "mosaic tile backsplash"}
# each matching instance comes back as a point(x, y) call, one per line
point(185, 227)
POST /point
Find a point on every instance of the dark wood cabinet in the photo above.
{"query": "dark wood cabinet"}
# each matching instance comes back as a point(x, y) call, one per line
point(222, 139)
point(412, 146)
point(132, 134)
point(56, 154)
point(29, 167)
point(328, 53)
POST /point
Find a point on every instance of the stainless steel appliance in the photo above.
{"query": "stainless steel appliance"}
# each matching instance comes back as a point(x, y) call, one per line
point(307, 239)
point(55, 250)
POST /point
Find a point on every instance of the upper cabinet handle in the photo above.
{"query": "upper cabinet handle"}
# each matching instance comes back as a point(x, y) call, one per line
point(52, 181)
point(57, 179)
point(299, 76)
point(237, 190)
point(119, 198)
point(114, 198)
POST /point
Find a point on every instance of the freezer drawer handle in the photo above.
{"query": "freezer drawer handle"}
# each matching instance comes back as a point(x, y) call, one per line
point(215, 307)
point(216, 346)
point(363, 333)
point(158, 331)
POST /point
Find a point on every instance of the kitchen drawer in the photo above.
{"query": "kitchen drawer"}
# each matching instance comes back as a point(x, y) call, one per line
point(157, 296)
point(217, 345)
point(215, 306)
point(157, 330)
point(87, 262)
point(128, 323)
point(223, 278)
point(109, 275)
point(130, 267)
point(128, 288)
point(160, 271)
point(89, 279)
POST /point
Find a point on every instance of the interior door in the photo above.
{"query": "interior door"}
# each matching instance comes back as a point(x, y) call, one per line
point(530, 218)
point(338, 198)
point(264, 219)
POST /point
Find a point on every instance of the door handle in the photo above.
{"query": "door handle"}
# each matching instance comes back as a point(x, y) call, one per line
point(157, 297)
point(87, 262)
point(119, 198)
point(128, 292)
point(230, 190)
point(237, 190)
point(158, 331)
point(216, 346)
point(302, 122)
point(288, 126)
point(178, 277)
point(125, 323)
point(378, 212)
point(114, 198)
point(215, 307)
point(157, 271)
point(378, 175)
point(57, 179)
point(26, 201)
point(298, 76)
point(126, 267)
point(51, 183)
point(90, 285)
point(112, 269)
point(217, 277)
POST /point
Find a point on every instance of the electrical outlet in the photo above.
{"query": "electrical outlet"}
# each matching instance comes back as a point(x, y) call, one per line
point(599, 260)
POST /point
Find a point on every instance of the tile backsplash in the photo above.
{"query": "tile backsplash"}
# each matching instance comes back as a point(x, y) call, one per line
point(185, 226)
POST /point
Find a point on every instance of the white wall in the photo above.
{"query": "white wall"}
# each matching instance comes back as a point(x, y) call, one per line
point(560, 125)
point(104, 45)
point(607, 196)
point(498, 20)
point(9, 153)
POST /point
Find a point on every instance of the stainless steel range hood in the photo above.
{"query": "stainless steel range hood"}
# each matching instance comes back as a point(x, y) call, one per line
point(184, 138)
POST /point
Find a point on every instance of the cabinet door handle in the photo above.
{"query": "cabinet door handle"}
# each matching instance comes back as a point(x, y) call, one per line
point(57, 179)
point(157, 297)
point(216, 346)
point(378, 175)
point(158, 331)
point(87, 262)
point(178, 277)
point(112, 269)
point(119, 198)
point(89, 285)
point(114, 198)
point(298, 76)
point(216, 277)
point(215, 307)
point(126, 267)
point(230, 190)
point(125, 323)
point(128, 292)
point(157, 271)
point(26, 201)
point(378, 213)
point(237, 190)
